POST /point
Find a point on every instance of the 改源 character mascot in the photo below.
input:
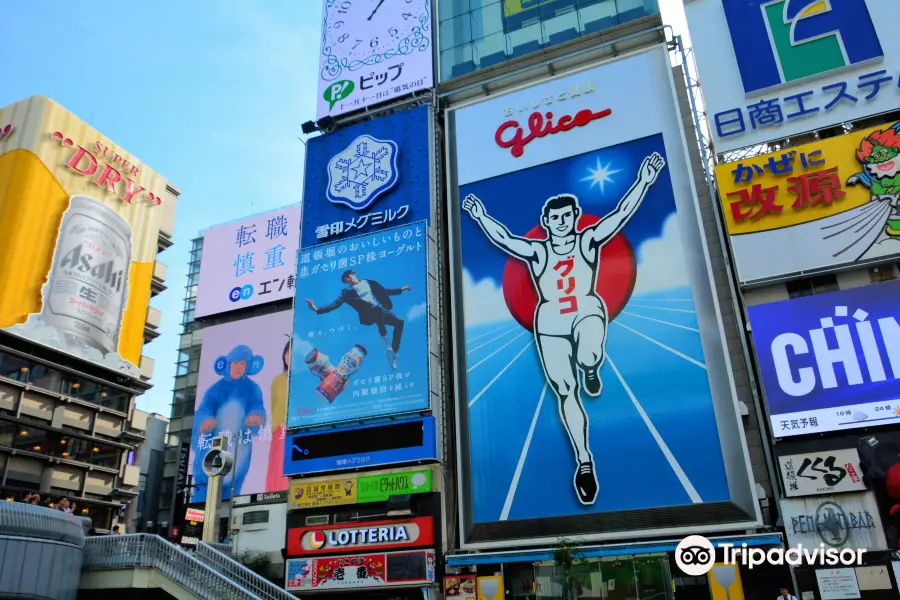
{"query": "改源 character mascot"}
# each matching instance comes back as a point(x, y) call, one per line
point(233, 404)
point(879, 153)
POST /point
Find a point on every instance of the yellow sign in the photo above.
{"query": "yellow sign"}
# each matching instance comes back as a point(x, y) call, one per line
point(814, 206)
point(808, 182)
point(316, 494)
point(725, 582)
point(491, 588)
point(79, 220)
point(515, 7)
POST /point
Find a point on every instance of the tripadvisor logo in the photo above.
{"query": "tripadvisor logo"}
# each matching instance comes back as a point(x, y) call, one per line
point(695, 555)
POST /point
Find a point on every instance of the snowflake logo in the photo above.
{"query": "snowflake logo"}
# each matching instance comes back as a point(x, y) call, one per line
point(363, 172)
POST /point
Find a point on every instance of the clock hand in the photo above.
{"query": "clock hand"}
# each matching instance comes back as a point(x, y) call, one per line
point(380, 2)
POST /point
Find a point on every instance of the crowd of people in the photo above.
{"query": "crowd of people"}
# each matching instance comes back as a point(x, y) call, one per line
point(63, 504)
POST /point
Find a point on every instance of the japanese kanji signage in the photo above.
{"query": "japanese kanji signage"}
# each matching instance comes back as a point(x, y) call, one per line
point(377, 487)
point(80, 230)
point(249, 262)
point(772, 70)
point(361, 328)
point(384, 569)
point(830, 361)
point(374, 535)
point(821, 472)
point(368, 177)
point(838, 521)
point(242, 395)
point(829, 203)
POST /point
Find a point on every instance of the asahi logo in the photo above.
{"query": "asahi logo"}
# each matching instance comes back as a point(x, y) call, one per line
point(81, 259)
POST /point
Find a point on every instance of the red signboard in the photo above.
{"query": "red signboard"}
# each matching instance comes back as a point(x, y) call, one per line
point(372, 535)
point(386, 569)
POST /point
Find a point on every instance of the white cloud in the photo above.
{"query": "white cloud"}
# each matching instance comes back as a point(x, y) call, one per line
point(417, 311)
point(484, 302)
point(302, 346)
point(661, 260)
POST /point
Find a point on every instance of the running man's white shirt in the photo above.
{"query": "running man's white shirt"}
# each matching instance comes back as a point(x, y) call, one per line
point(365, 292)
point(570, 320)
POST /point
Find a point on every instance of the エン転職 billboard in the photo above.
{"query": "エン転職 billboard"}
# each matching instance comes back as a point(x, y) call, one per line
point(830, 361)
point(814, 206)
point(249, 262)
point(371, 53)
point(368, 177)
point(361, 328)
point(242, 394)
point(80, 230)
point(583, 307)
point(775, 69)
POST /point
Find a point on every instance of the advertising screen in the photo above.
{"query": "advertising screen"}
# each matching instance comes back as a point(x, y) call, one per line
point(249, 262)
point(361, 328)
point(79, 219)
point(586, 306)
point(815, 206)
point(368, 177)
point(353, 489)
point(242, 395)
point(830, 361)
point(373, 52)
point(775, 69)
point(385, 569)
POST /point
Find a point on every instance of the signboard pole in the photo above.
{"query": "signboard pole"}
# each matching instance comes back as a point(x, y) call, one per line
point(727, 254)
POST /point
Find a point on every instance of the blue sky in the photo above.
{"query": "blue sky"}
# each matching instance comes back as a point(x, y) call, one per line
point(209, 94)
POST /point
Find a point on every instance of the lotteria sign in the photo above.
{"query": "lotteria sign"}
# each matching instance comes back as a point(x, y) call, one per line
point(375, 535)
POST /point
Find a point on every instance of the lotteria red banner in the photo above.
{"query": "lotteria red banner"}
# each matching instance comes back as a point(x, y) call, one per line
point(373, 535)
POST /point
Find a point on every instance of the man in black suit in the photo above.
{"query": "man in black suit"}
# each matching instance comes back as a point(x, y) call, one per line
point(372, 302)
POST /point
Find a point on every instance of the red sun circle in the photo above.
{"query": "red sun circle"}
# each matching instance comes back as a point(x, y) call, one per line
point(618, 273)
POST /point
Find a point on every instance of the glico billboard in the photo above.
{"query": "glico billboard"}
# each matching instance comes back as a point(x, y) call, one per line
point(79, 219)
point(592, 373)
point(816, 206)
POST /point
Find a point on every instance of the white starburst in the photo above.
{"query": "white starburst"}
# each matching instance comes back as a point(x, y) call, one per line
point(601, 175)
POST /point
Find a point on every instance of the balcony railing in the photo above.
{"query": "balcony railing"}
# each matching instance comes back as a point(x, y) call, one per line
point(223, 563)
point(30, 521)
point(152, 552)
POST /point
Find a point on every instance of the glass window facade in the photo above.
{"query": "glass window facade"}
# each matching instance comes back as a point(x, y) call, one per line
point(58, 444)
point(476, 34)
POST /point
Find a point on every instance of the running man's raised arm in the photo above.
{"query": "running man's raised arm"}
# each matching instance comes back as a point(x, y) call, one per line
point(497, 232)
point(616, 220)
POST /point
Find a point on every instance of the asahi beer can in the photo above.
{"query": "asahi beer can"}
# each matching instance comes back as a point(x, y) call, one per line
point(87, 287)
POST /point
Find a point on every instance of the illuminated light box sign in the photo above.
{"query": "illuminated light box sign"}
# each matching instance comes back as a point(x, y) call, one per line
point(362, 446)
point(376, 535)
point(249, 262)
point(377, 487)
point(830, 362)
point(814, 206)
point(775, 69)
point(385, 569)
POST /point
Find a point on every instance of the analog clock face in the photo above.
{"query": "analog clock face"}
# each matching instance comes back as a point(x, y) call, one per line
point(355, 30)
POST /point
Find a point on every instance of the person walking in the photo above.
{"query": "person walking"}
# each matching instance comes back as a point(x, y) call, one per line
point(785, 595)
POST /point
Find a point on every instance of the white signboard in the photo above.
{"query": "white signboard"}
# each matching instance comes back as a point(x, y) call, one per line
point(771, 70)
point(840, 521)
point(249, 262)
point(837, 584)
point(874, 577)
point(373, 51)
point(821, 472)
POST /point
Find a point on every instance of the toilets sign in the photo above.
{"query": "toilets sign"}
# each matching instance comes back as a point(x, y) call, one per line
point(830, 361)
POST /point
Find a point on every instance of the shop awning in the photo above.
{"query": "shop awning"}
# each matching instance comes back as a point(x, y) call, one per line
point(541, 554)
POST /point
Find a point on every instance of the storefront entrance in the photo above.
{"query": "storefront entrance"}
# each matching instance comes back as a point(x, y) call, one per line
point(644, 577)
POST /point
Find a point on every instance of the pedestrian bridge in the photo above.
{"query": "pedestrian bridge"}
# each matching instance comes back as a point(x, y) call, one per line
point(45, 555)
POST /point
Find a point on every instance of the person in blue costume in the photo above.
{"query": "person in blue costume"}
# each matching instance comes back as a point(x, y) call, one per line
point(233, 404)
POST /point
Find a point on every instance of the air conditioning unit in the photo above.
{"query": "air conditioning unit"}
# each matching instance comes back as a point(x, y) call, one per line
point(317, 520)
